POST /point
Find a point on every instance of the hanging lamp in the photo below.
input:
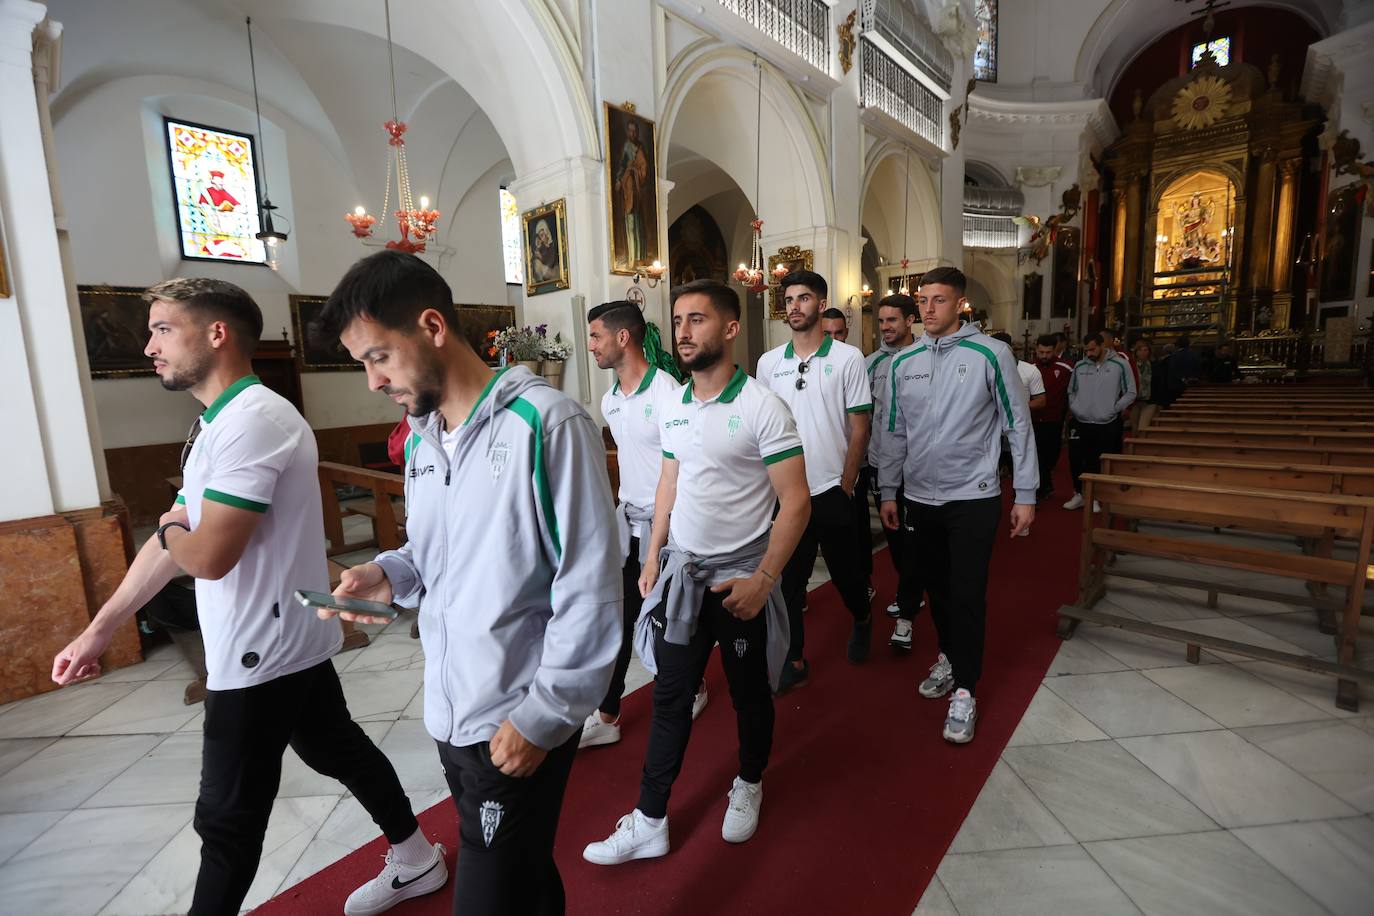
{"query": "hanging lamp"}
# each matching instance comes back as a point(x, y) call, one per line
point(906, 217)
point(416, 224)
point(751, 275)
point(273, 240)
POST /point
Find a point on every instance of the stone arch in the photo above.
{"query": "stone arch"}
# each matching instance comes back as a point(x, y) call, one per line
point(882, 205)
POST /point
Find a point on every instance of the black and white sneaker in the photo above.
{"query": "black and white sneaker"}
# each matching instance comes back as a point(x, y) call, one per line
point(396, 883)
point(940, 681)
point(901, 636)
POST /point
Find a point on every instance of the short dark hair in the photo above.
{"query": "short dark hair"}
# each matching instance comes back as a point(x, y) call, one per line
point(214, 300)
point(1183, 342)
point(723, 299)
point(1093, 337)
point(899, 301)
point(1003, 336)
point(621, 315)
point(1047, 340)
point(833, 313)
point(952, 277)
point(391, 288)
point(808, 278)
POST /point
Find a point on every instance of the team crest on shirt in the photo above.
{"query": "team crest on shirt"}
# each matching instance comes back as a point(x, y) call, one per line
point(829, 369)
point(498, 456)
point(648, 411)
point(741, 646)
point(961, 371)
point(491, 819)
point(733, 424)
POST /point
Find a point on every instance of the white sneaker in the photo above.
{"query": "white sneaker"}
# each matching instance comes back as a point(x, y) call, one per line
point(894, 610)
point(699, 702)
point(742, 814)
point(596, 731)
point(1097, 507)
point(397, 882)
point(634, 838)
point(963, 714)
point(901, 635)
point(940, 681)
point(1075, 503)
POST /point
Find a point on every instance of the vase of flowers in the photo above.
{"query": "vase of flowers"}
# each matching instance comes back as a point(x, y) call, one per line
point(522, 346)
point(554, 352)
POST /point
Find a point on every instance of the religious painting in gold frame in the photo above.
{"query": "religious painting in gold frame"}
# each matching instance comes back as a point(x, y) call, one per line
point(546, 247)
point(793, 258)
point(631, 189)
point(1340, 245)
point(317, 351)
point(114, 320)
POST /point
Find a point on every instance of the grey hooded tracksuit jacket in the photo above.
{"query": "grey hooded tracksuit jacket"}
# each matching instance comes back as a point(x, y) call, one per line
point(952, 398)
point(879, 365)
point(1099, 392)
point(514, 563)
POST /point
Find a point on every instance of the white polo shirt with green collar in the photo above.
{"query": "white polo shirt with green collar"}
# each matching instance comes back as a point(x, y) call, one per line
point(836, 386)
point(633, 419)
point(256, 452)
point(723, 448)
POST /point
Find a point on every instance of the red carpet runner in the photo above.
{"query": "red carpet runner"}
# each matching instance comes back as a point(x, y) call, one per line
point(862, 796)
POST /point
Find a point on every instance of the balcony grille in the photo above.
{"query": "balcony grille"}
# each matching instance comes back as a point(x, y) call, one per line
point(984, 231)
point(800, 26)
point(885, 85)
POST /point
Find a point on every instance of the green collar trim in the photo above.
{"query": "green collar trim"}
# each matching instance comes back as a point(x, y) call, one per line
point(228, 395)
point(791, 353)
point(491, 382)
point(727, 394)
point(648, 380)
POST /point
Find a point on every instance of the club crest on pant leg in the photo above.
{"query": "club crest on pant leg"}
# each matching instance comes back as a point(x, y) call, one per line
point(741, 646)
point(491, 819)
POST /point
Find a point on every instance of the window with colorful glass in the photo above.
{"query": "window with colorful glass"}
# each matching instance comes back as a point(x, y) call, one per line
point(985, 52)
point(510, 238)
point(215, 185)
point(1220, 48)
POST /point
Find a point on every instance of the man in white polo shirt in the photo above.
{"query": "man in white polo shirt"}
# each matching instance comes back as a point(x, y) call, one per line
point(824, 383)
point(615, 338)
point(730, 454)
point(248, 526)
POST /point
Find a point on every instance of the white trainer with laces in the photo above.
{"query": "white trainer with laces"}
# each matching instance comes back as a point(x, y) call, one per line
point(742, 813)
point(901, 635)
point(963, 715)
point(597, 732)
point(634, 838)
point(396, 883)
point(1075, 503)
point(940, 681)
point(699, 701)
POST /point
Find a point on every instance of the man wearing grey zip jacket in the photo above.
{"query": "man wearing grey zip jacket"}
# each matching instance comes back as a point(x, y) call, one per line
point(1101, 388)
point(513, 559)
point(953, 396)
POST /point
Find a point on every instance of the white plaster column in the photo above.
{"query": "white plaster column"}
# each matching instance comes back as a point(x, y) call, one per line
point(50, 465)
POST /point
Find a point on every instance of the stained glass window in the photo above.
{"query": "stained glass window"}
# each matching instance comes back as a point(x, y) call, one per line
point(1220, 48)
point(985, 53)
point(215, 182)
point(510, 238)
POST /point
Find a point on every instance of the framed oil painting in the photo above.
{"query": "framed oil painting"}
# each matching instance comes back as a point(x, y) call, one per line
point(1032, 295)
point(115, 322)
point(793, 258)
point(546, 248)
point(632, 189)
point(317, 351)
point(476, 322)
point(1340, 248)
point(1064, 291)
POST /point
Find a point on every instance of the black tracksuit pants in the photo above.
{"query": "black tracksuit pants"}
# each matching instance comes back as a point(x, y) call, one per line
point(1049, 439)
point(831, 529)
point(629, 575)
point(506, 829)
point(909, 587)
point(1088, 442)
point(953, 548)
point(246, 732)
point(744, 656)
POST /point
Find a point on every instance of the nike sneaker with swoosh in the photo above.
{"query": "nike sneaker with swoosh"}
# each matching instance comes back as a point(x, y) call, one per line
point(398, 882)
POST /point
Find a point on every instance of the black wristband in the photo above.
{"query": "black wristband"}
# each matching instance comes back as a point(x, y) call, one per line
point(162, 532)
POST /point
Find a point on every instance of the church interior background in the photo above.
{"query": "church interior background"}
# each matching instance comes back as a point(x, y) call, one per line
point(1151, 166)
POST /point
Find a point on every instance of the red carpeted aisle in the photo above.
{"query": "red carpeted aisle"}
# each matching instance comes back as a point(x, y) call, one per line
point(862, 795)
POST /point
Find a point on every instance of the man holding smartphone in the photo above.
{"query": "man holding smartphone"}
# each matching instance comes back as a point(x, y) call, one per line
point(514, 561)
point(248, 526)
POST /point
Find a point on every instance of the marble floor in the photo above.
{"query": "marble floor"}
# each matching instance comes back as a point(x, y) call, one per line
point(1136, 783)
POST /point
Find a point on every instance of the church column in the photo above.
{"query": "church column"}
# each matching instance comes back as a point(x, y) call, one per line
point(1283, 240)
point(1118, 290)
point(1134, 220)
point(64, 552)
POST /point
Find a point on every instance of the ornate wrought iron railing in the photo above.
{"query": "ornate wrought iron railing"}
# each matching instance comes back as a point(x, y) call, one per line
point(800, 26)
point(901, 24)
point(887, 86)
point(982, 230)
point(1302, 351)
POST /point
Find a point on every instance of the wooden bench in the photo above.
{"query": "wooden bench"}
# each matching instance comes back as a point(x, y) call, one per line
point(1211, 414)
point(1251, 509)
point(1262, 435)
point(388, 524)
point(1280, 423)
point(1204, 449)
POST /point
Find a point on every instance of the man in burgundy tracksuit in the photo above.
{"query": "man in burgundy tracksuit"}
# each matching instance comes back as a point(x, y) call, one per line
point(1048, 421)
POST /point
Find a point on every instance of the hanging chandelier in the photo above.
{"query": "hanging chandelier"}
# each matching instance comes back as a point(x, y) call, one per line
point(751, 274)
point(416, 224)
point(273, 240)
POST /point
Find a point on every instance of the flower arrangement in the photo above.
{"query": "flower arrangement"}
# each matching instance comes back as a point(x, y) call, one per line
point(521, 343)
point(556, 348)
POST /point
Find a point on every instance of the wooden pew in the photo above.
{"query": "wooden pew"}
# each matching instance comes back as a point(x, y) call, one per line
point(388, 526)
point(1263, 435)
point(1348, 516)
point(1214, 414)
point(1205, 449)
point(1278, 420)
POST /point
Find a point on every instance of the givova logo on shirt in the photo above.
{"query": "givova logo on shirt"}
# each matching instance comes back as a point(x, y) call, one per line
point(733, 424)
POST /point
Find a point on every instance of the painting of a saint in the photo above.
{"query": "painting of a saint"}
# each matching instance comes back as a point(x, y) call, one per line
point(632, 180)
point(1340, 244)
point(696, 248)
point(114, 320)
point(546, 248)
